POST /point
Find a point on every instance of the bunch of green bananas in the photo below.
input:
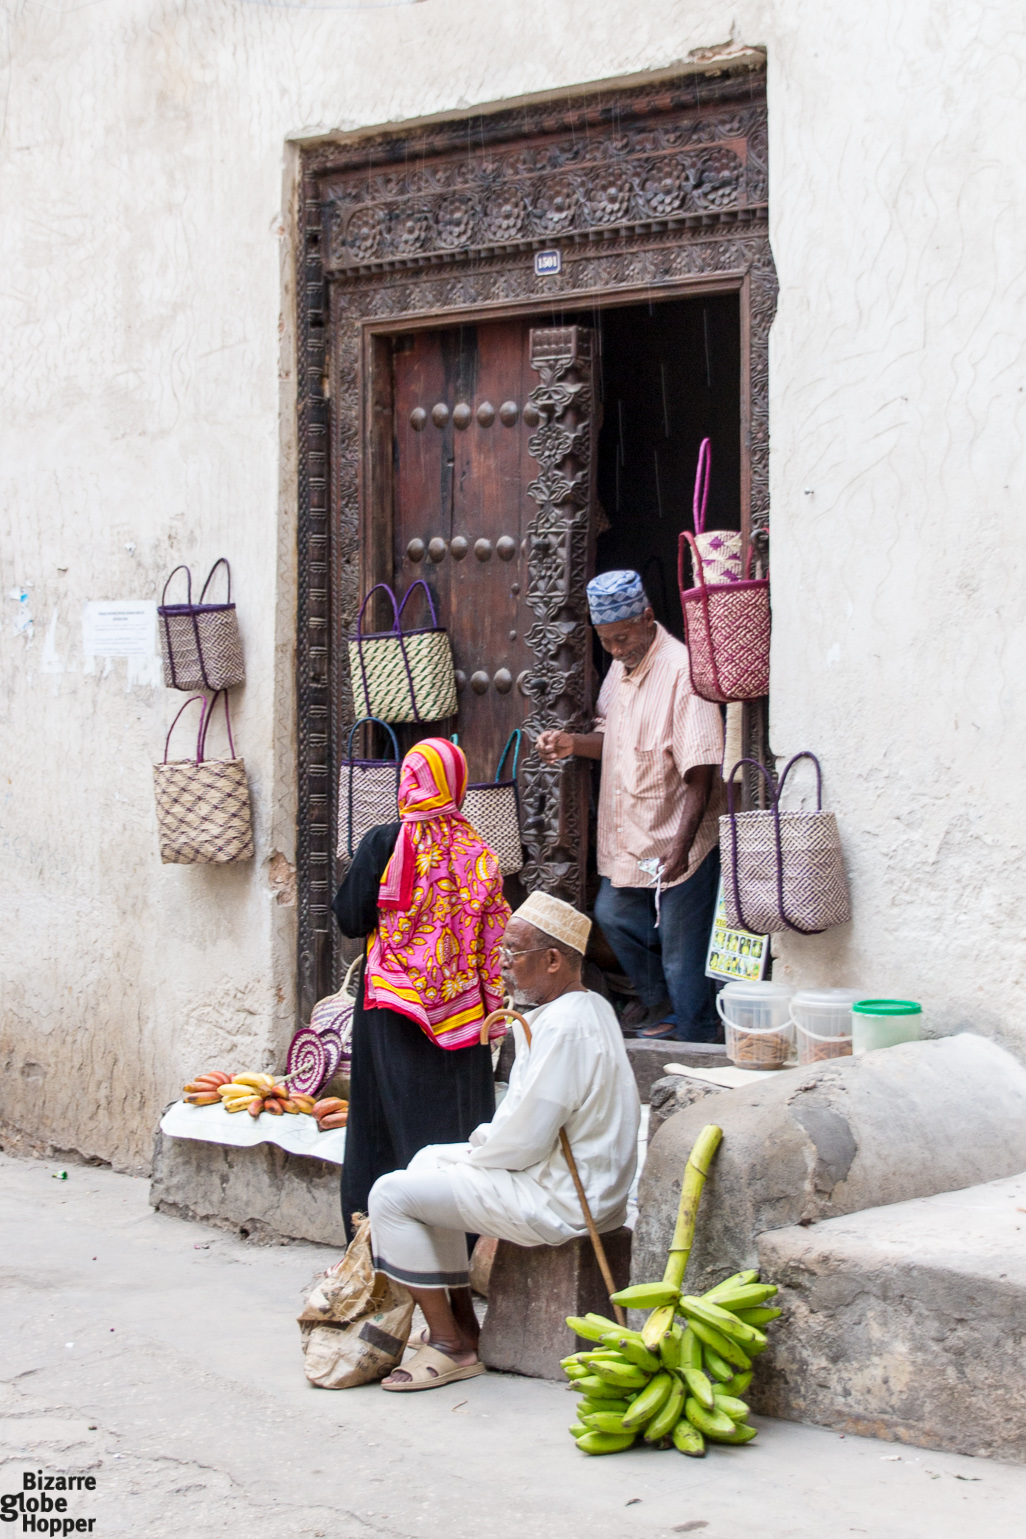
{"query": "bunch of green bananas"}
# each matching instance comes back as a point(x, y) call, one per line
point(674, 1383)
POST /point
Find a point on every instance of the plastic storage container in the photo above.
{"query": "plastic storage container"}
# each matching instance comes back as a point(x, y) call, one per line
point(884, 1023)
point(822, 1023)
point(757, 1021)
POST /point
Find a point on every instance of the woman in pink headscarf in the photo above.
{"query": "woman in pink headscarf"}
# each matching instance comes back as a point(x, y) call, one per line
point(427, 894)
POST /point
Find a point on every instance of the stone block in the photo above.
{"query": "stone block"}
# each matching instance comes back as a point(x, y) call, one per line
point(810, 1144)
point(648, 1059)
point(531, 1292)
point(262, 1193)
point(673, 1093)
point(905, 1322)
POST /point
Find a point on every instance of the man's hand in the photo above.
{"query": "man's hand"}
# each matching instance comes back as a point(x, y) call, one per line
point(553, 745)
point(699, 783)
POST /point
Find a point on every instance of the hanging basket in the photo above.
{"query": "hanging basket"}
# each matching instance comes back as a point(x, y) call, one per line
point(782, 870)
point(199, 643)
point(727, 627)
point(720, 550)
point(493, 808)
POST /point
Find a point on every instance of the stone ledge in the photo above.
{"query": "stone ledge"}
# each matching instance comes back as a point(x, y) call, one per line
point(647, 1059)
point(906, 1322)
point(262, 1193)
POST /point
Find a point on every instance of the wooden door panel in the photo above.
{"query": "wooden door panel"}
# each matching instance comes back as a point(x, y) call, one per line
point(461, 469)
point(492, 492)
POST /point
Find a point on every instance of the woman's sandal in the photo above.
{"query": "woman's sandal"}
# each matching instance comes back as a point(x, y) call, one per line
point(430, 1369)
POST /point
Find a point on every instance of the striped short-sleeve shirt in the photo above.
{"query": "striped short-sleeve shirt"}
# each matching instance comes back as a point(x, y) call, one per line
point(655, 729)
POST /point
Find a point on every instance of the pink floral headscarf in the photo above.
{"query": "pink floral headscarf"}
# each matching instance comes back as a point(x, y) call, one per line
point(442, 914)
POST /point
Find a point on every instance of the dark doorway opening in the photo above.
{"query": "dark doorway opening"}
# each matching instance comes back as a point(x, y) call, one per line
point(670, 376)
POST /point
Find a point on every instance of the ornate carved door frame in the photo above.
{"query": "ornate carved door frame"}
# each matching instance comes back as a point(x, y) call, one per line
point(653, 192)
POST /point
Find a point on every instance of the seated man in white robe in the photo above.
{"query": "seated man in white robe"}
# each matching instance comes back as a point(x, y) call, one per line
point(511, 1180)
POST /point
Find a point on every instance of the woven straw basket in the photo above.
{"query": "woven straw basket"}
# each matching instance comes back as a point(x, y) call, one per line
point(402, 675)
point(782, 870)
point(720, 550)
point(493, 808)
point(200, 644)
point(368, 792)
point(203, 812)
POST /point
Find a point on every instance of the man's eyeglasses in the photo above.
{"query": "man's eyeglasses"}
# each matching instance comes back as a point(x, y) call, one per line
point(507, 958)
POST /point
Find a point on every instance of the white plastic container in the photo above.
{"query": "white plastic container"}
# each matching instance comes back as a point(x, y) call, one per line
point(877, 1023)
point(757, 1023)
point(822, 1023)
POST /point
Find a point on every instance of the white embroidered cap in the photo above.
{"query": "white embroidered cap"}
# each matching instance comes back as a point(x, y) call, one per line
point(556, 918)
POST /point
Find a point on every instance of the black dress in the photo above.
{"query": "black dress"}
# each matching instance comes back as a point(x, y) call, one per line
point(404, 1091)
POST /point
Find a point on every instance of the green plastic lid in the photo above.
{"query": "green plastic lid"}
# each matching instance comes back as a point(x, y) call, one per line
point(887, 1007)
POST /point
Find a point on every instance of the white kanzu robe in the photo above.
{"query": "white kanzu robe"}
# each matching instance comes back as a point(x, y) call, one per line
point(511, 1180)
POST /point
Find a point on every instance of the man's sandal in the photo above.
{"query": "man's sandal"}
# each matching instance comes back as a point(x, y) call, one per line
point(430, 1369)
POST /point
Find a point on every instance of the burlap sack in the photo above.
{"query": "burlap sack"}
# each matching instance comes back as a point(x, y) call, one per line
point(355, 1322)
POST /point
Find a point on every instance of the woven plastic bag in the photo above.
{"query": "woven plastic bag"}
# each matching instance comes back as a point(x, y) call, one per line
point(355, 1322)
point(200, 646)
point(368, 792)
point(727, 628)
point(782, 870)
point(332, 1018)
point(402, 675)
point(203, 811)
point(720, 550)
point(493, 809)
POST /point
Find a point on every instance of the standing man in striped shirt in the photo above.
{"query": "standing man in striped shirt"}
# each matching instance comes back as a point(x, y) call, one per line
point(661, 748)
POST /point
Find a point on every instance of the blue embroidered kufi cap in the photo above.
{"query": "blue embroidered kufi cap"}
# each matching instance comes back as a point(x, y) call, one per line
point(616, 596)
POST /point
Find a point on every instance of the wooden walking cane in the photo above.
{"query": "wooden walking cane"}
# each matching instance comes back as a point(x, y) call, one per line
point(564, 1143)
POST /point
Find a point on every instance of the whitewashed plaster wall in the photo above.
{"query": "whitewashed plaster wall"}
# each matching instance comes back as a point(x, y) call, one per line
point(146, 377)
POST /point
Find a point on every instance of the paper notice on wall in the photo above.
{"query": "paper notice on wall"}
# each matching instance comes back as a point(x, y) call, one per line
point(735, 953)
point(119, 628)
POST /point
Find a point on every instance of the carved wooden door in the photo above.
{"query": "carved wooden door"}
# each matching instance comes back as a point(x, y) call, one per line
point(492, 484)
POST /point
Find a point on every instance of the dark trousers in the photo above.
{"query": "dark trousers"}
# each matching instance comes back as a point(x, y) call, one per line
point(668, 962)
point(405, 1093)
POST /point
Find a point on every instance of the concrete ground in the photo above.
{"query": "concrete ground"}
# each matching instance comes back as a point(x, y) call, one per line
point(162, 1357)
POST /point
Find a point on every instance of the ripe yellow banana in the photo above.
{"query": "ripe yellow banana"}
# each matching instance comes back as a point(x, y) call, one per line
point(255, 1081)
point(240, 1103)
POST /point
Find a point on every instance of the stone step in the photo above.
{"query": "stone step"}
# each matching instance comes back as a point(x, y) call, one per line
point(906, 1322)
point(647, 1058)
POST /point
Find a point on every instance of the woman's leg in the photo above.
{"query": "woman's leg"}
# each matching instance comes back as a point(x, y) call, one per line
point(370, 1150)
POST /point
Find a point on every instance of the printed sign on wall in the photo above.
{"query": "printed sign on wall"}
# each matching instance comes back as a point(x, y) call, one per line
point(119, 628)
point(735, 953)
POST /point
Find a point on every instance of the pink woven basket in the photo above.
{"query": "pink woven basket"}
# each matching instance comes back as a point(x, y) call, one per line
point(727, 626)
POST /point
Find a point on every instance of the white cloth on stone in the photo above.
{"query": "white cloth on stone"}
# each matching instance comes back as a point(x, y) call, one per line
point(511, 1180)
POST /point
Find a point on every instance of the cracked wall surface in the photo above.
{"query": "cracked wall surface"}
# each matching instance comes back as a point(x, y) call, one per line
point(147, 388)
